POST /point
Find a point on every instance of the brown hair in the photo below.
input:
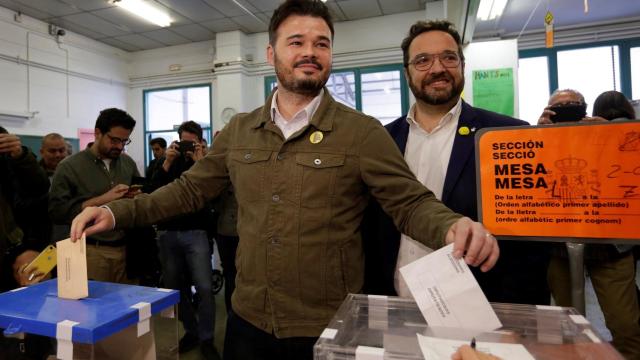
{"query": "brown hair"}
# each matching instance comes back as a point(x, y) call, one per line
point(425, 26)
point(313, 8)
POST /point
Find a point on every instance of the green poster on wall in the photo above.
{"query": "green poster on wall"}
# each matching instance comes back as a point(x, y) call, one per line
point(493, 90)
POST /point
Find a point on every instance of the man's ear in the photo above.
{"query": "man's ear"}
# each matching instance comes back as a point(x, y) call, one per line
point(270, 55)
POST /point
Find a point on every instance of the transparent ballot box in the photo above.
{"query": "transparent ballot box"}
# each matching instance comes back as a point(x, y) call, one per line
point(116, 321)
point(379, 327)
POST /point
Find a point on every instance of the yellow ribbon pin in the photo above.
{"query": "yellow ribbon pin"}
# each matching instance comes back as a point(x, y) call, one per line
point(463, 130)
point(316, 137)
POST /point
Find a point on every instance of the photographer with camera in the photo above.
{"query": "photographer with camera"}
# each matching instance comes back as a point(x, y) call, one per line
point(185, 252)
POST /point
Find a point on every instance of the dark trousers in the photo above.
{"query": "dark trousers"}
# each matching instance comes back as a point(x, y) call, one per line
point(244, 341)
point(227, 246)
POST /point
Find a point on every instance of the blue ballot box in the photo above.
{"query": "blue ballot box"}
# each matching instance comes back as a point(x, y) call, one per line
point(116, 321)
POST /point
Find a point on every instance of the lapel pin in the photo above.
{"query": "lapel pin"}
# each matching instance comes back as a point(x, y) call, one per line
point(463, 130)
point(316, 137)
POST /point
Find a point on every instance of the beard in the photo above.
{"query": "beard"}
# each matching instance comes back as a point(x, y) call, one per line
point(437, 97)
point(306, 86)
point(113, 154)
point(110, 152)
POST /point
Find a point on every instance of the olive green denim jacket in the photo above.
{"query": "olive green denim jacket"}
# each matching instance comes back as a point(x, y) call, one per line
point(300, 204)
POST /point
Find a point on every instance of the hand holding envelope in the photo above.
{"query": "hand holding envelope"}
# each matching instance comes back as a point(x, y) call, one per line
point(447, 293)
point(72, 269)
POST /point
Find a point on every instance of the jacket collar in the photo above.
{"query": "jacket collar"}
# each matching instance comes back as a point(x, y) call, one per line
point(463, 145)
point(463, 148)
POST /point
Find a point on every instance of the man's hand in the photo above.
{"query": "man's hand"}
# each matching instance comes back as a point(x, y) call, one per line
point(99, 219)
point(22, 277)
point(545, 117)
point(465, 352)
point(115, 193)
point(473, 241)
point(197, 154)
point(10, 144)
point(170, 155)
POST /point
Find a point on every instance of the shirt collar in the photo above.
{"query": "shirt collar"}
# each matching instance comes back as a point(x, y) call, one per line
point(452, 114)
point(308, 110)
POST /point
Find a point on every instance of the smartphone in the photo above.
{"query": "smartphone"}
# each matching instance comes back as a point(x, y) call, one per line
point(44, 262)
point(568, 113)
point(185, 145)
point(138, 180)
point(135, 187)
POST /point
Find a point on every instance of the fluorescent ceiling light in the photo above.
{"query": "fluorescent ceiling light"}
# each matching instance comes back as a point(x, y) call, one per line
point(145, 10)
point(491, 9)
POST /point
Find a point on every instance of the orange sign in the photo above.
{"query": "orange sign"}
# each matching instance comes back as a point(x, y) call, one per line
point(561, 181)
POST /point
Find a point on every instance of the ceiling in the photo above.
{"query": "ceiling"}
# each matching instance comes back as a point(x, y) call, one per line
point(199, 20)
point(194, 20)
point(565, 13)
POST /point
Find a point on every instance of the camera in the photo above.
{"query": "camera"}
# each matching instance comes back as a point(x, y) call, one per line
point(185, 145)
point(568, 113)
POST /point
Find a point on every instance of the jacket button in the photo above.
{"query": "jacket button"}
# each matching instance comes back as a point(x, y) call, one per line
point(317, 161)
point(280, 157)
point(275, 198)
point(247, 156)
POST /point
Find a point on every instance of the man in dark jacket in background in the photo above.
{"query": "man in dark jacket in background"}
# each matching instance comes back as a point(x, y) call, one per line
point(185, 252)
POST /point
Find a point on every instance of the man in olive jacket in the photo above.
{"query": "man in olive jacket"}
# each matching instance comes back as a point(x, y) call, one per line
point(303, 167)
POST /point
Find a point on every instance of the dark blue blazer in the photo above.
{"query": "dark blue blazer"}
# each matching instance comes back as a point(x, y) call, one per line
point(519, 261)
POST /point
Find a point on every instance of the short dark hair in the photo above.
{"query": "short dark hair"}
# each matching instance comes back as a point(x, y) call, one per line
point(313, 8)
point(192, 127)
point(425, 26)
point(112, 117)
point(613, 105)
point(160, 141)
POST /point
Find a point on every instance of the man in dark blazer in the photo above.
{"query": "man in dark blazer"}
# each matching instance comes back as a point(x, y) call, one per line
point(437, 139)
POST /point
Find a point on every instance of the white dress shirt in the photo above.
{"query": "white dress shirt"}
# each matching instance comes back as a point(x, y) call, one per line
point(427, 154)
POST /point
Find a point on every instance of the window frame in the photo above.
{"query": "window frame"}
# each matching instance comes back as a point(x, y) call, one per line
point(146, 133)
point(624, 47)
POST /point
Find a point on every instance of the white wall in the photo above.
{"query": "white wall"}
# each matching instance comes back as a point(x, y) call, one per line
point(67, 83)
point(487, 55)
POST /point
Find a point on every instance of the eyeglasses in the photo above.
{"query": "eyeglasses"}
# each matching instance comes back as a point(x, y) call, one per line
point(118, 141)
point(424, 62)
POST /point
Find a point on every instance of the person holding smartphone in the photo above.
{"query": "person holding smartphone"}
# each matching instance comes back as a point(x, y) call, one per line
point(94, 177)
point(20, 178)
point(185, 252)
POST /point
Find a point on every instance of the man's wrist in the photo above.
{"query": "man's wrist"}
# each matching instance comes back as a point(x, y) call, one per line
point(113, 218)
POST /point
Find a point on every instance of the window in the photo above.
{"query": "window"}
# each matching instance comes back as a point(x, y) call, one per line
point(635, 72)
point(533, 87)
point(382, 95)
point(591, 71)
point(589, 68)
point(379, 91)
point(342, 86)
point(166, 109)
